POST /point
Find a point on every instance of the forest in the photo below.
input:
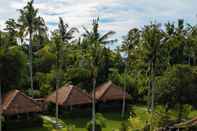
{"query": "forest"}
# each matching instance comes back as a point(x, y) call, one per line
point(156, 64)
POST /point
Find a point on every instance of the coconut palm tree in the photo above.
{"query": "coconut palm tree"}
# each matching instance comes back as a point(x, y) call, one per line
point(63, 36)
point(57, 42)
point(129, 44)
point(153, 39)
point(96, 45)
point(66, 33)
point(40, 32)
point(11, 28)
point(29, 24)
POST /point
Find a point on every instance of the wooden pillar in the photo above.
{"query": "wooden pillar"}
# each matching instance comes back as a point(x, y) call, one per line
point(27, 116)
point(18, 117)
point(71, 108)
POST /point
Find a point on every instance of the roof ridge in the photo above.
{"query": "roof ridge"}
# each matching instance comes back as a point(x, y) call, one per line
point(69, 92)
point(15, 92)
point(85, 93)
point(109, 83)
point(58, 90)
point(30, 98)
point(106, 82)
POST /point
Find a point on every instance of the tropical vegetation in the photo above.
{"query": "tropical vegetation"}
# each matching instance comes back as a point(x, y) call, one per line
point(156, 64)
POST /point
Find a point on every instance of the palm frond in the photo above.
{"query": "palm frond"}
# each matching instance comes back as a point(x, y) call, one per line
point(87, 33)
point(106, 36)
point(109, 41)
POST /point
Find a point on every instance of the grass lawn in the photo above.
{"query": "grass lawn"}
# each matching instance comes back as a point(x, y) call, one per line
point(113, 120)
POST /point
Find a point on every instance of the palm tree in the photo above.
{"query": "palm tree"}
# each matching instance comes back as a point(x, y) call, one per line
point(57, 42)
point(153, 43)
point(129, 44)
point(63, 36)
point(192, 40)
point(11, 28)
point(30, 24)
point(66, 33)
point(40, 32)
point(96, 45)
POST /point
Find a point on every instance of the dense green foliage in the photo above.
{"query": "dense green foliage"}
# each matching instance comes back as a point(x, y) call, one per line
point(157, 64)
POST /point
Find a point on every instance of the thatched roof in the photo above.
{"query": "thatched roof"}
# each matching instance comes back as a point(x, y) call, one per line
point(186, 124)
point(109, 92)
point(16, 102)
point(69, 95)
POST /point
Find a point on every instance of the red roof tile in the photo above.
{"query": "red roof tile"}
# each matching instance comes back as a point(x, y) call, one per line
point(69, 95)
point(109, 91)
point(16, 102)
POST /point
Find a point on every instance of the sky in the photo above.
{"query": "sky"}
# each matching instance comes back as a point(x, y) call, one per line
point(116, 15)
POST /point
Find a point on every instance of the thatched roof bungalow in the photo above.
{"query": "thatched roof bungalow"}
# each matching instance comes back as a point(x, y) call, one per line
point(15, 102)
point(110, 92)
point(70, 95)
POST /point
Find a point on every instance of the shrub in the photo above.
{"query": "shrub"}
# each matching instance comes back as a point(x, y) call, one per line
point(100, 123)
point(63, 129)
point(135, 124)
point(169, 117)
point(124, 126)
point(164, 118)
point(186, 111)
point(49, 123)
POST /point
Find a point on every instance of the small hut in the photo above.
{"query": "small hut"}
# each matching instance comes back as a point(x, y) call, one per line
point(110, 95)
point(69, 96)
point(17, 103)
point(110, 92)
point(17, 109)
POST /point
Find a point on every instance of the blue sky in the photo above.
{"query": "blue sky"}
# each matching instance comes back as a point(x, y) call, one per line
point(116, 15)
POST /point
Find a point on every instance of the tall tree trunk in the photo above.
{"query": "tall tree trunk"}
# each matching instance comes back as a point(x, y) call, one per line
point(93, 105)
point(149, 92)
point(30, 62)
point(1, 107)
point(152, 103)
point(189, 60)
point(180, 106)
point(57, 82)
point(57, 87)
point(180, 112)
point(152, 95)
point(149, 96)
point(194, 59)
point(124, 95)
